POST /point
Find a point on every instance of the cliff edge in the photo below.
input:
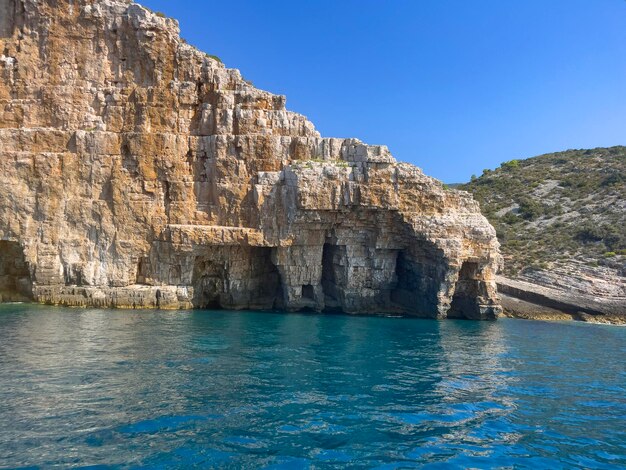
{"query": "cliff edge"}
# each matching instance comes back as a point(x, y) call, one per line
point(137, 171)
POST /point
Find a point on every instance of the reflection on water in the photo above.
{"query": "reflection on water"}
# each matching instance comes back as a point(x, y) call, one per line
point(240, 389)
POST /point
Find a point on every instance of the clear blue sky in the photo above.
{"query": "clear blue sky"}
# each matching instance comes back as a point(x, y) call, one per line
point(453, 86)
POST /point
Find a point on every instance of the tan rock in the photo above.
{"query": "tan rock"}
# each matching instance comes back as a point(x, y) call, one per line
point(136, 171)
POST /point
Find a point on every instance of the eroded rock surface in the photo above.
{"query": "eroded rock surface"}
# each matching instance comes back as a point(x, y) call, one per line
point(137, 171)
point(587, 293)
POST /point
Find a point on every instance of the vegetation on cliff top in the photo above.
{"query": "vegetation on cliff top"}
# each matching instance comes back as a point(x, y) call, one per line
point(557, 207)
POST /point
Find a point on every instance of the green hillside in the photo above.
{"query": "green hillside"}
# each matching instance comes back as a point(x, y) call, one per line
point(557, 207)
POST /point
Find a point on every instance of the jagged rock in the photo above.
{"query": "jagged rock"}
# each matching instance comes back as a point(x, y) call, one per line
point(137, 171)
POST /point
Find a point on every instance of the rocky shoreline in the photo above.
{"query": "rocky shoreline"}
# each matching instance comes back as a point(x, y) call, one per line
point(139, 172)
point(554, 301)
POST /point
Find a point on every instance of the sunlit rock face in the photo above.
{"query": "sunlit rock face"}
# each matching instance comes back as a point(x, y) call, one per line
point(137, 171)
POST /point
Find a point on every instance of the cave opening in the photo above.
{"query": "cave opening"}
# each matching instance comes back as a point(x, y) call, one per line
point(15, 280)
point(467, 290)
point(266, 290)
point(308, 292)
point(209, 278)
point(142, 271)
point(407, 283)
point(73, 274)
point(236, 277)
point(330, 262)
point(418, 279)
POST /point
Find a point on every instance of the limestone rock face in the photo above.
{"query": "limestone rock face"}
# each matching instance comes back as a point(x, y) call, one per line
point(137, 171)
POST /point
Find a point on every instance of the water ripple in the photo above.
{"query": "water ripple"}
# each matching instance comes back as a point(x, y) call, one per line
point(108, 389)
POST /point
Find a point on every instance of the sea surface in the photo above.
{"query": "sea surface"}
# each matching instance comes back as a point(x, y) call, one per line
point(120, 389)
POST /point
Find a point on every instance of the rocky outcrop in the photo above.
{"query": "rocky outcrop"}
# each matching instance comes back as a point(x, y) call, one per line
point(576, 291)
point(137, 171)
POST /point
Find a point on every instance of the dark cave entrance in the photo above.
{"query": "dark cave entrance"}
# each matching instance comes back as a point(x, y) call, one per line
point(142, 270)
point(236, 277)
point(15, 280)
point(467, 290)
point(209, 283)
point(418, 279)
point(308, 292)
point(407, 283)
point(73, 274)
point(331, 256)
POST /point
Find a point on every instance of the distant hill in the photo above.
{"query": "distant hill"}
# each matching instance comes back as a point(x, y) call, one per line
point(558, 209)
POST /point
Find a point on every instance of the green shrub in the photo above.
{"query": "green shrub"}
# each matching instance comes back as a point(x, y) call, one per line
point(589, 233)
point(611, 235)
point(214, 57)
point(510, 218)
point(530, 209)
point(510, 164)
point(613, 238)
point(553, 211)
point(613, 179)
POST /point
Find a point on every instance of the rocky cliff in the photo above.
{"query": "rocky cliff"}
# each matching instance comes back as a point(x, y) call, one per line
point(137, 171)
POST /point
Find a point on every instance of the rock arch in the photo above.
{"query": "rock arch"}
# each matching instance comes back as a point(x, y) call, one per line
point(470, 293)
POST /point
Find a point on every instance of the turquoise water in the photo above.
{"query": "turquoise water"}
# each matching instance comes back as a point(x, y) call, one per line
point(252, 390)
